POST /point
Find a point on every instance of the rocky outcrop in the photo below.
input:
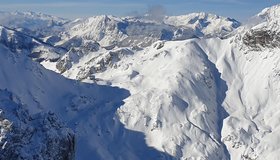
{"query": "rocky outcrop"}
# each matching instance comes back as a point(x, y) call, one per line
point(264, 33)
point(261, 38)
point(35, 137)
point(100, 63)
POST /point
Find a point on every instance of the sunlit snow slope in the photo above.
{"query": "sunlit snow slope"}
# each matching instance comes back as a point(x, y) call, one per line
point(194, 97)
point(88, 109)
point(199, 98)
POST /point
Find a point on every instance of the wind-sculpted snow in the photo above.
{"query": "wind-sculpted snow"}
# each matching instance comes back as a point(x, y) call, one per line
point(196, 86)
point(179, 88)
point(250, 130)
point(88, 109)
point(173, 99)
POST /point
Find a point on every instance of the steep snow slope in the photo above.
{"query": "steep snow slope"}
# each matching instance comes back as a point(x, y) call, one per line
point(88, 109)
point(191, 99)
point(25, 136)
point(185, 107)
point(251, 131)
point(175, 93)
point(22, 43)
point(175, 97)
point(252, 127)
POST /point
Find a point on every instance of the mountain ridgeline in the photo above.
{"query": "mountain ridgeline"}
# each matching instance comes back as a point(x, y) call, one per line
point(195, 86)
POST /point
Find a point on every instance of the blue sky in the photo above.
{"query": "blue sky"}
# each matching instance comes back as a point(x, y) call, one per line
point(238, 9)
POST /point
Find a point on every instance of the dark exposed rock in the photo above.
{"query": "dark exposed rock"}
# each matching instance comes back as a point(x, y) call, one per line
point(35, 137)
point(63, 64)
point(15, 41)
point(261, 38)
point(108, 60)
point(159, 45)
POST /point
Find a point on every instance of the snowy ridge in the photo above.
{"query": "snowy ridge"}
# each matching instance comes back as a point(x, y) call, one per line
point(164, 78)
point(169, 102)
point(130, 31)
point(122, 32)
point(31, 46)
point(264, 33)
point(270, 18)
point(204, 24)
point(270, 13)
point(187, 93)
point(88, 109)
point(251, 97)
point(88, 39)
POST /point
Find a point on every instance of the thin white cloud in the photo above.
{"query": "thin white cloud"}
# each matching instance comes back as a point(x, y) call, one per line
point(69, 5)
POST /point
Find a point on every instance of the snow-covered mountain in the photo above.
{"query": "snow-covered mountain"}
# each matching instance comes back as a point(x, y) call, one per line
point(25, 136)
point(195, 86)
point(100, 41)
point(32, 23)
point(110, 31)
point(33, 96)
point(33, 47)
point(204, 24)
point(266, 32)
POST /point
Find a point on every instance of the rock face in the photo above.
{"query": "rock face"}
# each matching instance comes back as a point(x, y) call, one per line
point(24, 136)
point(257, 39)
point(266, 33)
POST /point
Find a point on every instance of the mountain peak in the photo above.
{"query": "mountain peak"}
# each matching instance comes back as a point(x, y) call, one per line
point(270, 13)
point(207, 23)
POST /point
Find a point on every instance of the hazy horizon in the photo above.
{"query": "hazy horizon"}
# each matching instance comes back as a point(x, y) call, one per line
point(236, 9)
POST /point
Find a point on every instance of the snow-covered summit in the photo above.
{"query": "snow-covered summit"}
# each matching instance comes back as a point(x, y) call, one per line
point(270, 13)
point(131, 31)
point(205, 24)
point(110, 31)
point(265, 31)
point(184, 97)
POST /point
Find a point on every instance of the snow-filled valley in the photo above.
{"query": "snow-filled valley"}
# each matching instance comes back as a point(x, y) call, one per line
point(189, 87)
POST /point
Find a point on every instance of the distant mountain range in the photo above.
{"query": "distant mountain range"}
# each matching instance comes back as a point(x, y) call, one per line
point(196, 86)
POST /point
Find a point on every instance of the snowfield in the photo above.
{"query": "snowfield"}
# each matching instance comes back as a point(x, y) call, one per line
point(195, 86)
